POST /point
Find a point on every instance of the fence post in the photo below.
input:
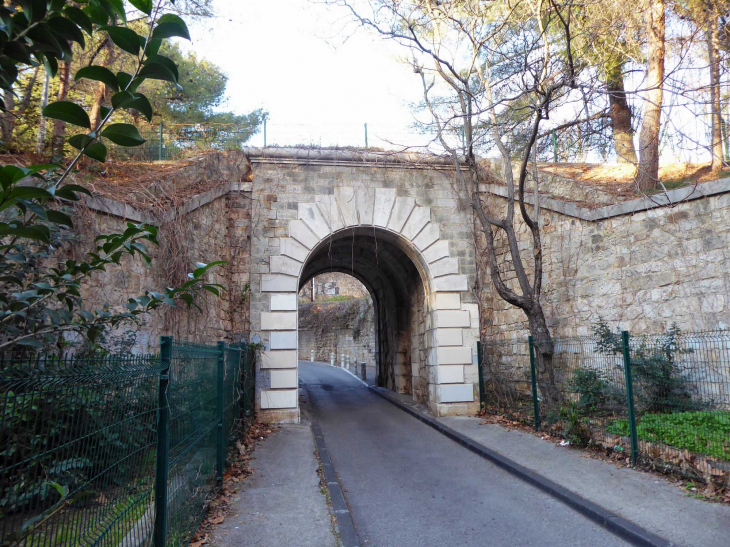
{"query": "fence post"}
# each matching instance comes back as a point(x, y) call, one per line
point(220, 453)
point(480, 373)
point(163, 431)
point(366, 136)
point(533, 374)
point(630, 397)
point(159, 153)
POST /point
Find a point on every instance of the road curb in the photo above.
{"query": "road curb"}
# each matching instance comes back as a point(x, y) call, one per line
point(345, 524)
point(615, 524)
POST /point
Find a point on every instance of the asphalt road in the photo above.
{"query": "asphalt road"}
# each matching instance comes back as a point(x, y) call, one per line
point(408, 485)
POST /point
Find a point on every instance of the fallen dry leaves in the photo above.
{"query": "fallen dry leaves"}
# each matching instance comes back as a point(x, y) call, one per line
point(237, 470)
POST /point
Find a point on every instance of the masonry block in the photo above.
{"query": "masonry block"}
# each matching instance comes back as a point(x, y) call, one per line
point(345, 197)
point(420, 216)
point(299, 230)
point(450, 374)
point(428, 236)
point(284, 302)
point(279, 359)
point(438, 250)
point(284, 265)
point(400, 213)
point(312, 216)
point(449, 337)
point(284, 340)
point(281, 379)
point(451, 283)
point(292, 248)
point(278, 320)
point(330, 211)
point(445, 266)
point(455, 393)
point(384, 199)
point(285, 398)
point(459, 355)
point(448, 301)
point(365, 202)
point(279, 283)
point(451, 318)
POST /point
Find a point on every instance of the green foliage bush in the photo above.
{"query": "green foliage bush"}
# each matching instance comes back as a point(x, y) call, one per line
point(593, 388)
point(699, 432)
point(660, 382)
point(575, 430)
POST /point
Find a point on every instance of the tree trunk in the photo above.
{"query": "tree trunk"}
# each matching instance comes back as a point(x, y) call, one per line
point(59, 127)
point(8, 119)
point(41, 137)
point(98, 101)
point(620, 113)
point(713, 43)
point(647, 176)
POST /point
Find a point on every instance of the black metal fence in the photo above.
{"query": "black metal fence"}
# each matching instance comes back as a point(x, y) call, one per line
point(663, 400)
point(117, 449)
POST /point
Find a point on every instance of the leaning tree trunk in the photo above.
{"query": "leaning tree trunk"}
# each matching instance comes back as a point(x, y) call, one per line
point(8, 117)
point(59, 127)
point(620, 113)
point(647, 176)
point(713, 42)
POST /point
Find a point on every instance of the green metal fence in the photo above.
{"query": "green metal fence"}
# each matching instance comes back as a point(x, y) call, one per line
point(662, 400)
point(117, 450)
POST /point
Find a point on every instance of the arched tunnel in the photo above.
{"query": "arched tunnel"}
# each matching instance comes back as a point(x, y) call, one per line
point(392, 273)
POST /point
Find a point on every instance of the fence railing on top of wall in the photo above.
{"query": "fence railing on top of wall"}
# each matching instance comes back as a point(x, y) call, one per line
point(662, 400)
point(117, 449)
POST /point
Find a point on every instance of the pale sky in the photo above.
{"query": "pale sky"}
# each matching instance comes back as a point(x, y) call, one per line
point(320, 85)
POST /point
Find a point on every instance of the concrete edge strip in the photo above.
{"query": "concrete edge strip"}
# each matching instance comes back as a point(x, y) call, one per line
point(345, 524)
point(615, 524)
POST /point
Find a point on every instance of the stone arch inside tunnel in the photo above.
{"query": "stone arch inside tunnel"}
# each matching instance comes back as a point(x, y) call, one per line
point(424, 329)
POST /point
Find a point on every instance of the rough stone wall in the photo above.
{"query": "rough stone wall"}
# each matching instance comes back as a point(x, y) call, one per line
point(641, 271)
point(342, 328)
point(219, 230)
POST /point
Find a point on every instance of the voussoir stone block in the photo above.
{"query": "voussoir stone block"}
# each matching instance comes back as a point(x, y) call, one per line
point(312, 216)
point(428, 236)
point(451, 283)
point(384, 199)
point(285, 398)
point(292, 248)
point(345, 197)
point(331, 213)
point(400, 213)
point(299, 230)
point(445, 266)
point(278, 320)
point(279, 283)
point(365, 202)
point(285, 265)
point(420, 216)
point(437, 251)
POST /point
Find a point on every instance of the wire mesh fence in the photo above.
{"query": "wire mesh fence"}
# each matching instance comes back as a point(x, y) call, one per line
point(178, 141)
point(663, 399)
point(87, 443)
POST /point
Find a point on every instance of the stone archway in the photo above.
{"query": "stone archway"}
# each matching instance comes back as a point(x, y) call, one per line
point(426, 331)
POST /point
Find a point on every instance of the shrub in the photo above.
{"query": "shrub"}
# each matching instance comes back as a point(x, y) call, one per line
point(576, 430)
point(593, 389)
